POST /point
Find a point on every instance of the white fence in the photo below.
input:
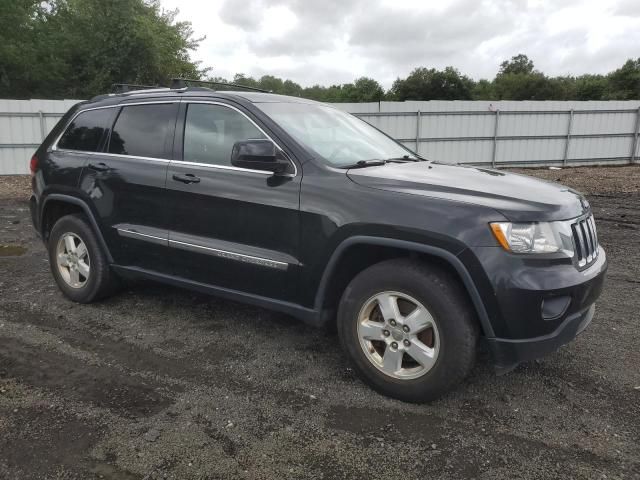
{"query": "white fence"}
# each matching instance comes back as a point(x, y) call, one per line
point(511, 133)
point(23, 126)
point(499, 133)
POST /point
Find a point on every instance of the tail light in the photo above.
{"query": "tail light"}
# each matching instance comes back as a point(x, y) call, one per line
point(33, 165)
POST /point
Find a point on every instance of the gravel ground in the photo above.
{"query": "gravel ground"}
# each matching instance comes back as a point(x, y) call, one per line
point(163, 383)
point(598, 180)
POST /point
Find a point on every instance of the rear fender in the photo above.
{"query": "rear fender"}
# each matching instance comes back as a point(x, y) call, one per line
point(87, 211)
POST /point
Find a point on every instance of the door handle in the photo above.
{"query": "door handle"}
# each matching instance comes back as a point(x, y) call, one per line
point(98, 167)
point(187, 178)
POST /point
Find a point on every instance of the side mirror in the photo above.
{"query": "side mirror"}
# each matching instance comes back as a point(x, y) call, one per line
point(259, 155)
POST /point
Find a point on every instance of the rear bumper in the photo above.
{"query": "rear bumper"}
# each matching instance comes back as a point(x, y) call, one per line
point(508, 353)
point(33, 208)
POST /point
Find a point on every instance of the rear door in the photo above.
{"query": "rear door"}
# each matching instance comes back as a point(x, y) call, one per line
point(126, 184)
point(230, 227)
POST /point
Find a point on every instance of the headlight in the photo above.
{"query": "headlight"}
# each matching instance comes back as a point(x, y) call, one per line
point(536, 237)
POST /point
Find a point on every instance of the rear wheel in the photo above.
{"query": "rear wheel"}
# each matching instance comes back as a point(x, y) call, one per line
point(408, 329)
point(78, 264)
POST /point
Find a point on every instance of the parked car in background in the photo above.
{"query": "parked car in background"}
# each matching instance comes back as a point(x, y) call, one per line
point(296, 206)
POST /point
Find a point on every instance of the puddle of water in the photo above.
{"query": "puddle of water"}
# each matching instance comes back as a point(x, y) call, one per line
point(12, 250)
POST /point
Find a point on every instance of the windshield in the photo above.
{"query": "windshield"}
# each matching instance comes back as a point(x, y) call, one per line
point(338, 137)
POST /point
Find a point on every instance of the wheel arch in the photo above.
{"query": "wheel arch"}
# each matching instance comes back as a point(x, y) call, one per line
point(70, 204)
point(402, 247)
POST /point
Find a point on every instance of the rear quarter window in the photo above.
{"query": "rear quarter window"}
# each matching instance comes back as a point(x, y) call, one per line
point(86, 131)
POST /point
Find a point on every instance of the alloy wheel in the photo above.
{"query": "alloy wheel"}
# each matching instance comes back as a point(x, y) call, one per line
point(398, 335)
point(73, 260)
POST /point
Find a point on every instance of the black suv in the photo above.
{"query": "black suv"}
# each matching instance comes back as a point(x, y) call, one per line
point(299, 207)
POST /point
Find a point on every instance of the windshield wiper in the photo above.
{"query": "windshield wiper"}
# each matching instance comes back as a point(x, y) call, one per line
point(377, 162)
point(405, 158)
point(366, 163)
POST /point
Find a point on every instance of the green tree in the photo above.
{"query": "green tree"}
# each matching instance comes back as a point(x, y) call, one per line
point(315, 92)
point(519, 64)
point(517, 79)
point(483, 90)
point(591, 87)
point(522, 86)
point(271, 83)
point(431, 84)
point(561, 88)
point(362, 89)
point(82, 47)
point(291, 88)
point(624, 83)
point(22, 46)
point(242, 79)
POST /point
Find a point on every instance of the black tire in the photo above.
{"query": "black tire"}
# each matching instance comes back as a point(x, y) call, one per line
point(442, 295)
point(100, 282)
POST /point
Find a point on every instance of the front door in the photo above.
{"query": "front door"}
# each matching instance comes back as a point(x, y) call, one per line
point(230, 227)
point(126, 184)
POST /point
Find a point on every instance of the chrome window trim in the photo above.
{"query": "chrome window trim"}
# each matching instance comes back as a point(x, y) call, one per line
point(116, 155)
point(135, 157)
point(230, 167)
point(225, 167)
point(55, 148)
point(241, 257)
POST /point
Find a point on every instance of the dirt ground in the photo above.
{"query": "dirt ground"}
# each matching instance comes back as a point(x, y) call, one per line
point(162, 383)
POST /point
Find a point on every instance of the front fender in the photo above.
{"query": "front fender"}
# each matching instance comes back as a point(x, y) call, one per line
point(452, 259)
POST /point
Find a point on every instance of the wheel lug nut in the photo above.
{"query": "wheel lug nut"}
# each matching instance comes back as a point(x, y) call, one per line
point(392, 323)
point(385, 333)
point(407, 343)
point(394, 345)
point(405, 328)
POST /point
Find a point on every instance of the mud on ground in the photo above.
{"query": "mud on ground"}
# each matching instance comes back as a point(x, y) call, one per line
point(163, 383)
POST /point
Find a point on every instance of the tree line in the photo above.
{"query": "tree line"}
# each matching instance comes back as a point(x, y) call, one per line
point(517, 79)
point(79, 48)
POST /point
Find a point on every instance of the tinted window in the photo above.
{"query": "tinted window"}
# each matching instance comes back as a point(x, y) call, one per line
point(141, 130)
point(86, 130)
point(211, 130)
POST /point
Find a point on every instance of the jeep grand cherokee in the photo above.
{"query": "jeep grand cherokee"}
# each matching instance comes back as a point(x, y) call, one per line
point(296, 206)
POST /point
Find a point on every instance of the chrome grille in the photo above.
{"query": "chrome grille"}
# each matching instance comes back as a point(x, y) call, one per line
point(585, 239)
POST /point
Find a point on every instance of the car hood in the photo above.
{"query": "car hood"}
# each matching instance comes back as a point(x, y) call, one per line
point(517, 197)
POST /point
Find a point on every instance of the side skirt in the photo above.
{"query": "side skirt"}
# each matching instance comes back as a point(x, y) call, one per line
point(307, 315)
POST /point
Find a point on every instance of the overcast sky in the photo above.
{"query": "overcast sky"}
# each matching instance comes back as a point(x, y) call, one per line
point(336, 41)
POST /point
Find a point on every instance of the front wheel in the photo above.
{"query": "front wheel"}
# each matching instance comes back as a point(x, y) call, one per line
point(408, 329)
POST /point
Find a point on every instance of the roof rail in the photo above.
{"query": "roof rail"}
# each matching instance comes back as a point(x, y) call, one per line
point(177, 83)
point(128, 87)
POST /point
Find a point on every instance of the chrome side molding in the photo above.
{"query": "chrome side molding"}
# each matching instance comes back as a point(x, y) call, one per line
point(240, 257)
point(215, 252)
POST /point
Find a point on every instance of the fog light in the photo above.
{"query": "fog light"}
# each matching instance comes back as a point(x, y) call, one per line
point(554, 307)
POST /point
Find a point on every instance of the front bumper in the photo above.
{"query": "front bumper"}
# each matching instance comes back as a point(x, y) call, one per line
point(536, 306)
point(508, 353)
